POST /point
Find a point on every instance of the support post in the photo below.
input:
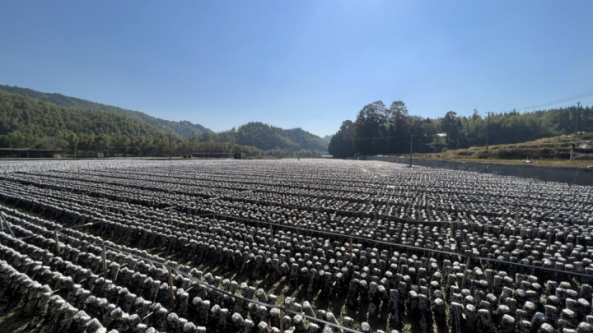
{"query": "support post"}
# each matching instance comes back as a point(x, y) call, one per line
point(549, 238)
point(411, 149)
point(57, 242)
point(281, 320)
point(487, 133)
point(171, 288)
point(104, 259)
point(351, 254)
point(451, 229)
point(465, 272)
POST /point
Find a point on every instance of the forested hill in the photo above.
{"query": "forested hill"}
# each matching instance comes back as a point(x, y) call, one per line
point(267, 137)
point(183, 128)
point(27, 122)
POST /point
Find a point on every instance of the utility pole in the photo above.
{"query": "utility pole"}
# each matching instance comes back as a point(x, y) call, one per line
point(576, 123)
point(169, 145)
point(487, 131)
point(411, 148)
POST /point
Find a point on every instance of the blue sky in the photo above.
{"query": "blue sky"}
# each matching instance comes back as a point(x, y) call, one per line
point(299, 63)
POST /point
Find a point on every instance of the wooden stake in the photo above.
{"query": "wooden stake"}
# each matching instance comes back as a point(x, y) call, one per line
point(148, 315)
point(57, 243)
point(465, 272)
point(281, 320)
point(351, 249)
point(214, 226)
point(104, 259)
point(171, 288)
point(451, 229)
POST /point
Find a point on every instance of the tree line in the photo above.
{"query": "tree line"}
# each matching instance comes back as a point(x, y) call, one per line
point(379, 129)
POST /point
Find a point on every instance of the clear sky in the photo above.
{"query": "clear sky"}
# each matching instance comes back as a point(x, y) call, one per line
point(300, 63)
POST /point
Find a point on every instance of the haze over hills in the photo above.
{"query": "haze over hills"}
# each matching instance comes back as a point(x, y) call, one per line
point(29, 118)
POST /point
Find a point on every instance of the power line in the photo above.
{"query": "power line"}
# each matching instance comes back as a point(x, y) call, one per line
point(394, 137)
point(576, 126)
point(566, 99)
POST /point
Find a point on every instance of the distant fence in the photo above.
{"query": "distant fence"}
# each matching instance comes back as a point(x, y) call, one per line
point(578, 176)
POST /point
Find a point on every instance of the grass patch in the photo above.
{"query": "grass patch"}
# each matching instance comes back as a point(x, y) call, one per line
point(11, 321)
point(554, 151)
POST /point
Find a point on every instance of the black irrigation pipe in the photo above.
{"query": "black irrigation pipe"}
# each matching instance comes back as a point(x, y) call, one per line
point(182, 273)
point(409, 247)
point(66, 228)
point(112, 248)
point(232, 199)
point(336, 211)
point(206, 197)
point(101, 173)
point(284, 309)
point(176, 269)
point(416, 248)
point(404, 246)
point(336, 197)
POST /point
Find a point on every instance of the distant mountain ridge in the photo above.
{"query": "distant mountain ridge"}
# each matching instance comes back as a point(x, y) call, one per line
point(182, 128)
point(267, 137)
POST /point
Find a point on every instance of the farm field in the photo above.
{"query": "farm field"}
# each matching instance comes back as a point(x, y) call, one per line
point(309, 246)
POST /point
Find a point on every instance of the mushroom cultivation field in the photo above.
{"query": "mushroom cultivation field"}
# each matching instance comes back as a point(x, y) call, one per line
point(310, 246)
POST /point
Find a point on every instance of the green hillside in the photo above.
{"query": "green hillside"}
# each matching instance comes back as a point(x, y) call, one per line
point(27, 122)
point(183, 128)
point(267, 137)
